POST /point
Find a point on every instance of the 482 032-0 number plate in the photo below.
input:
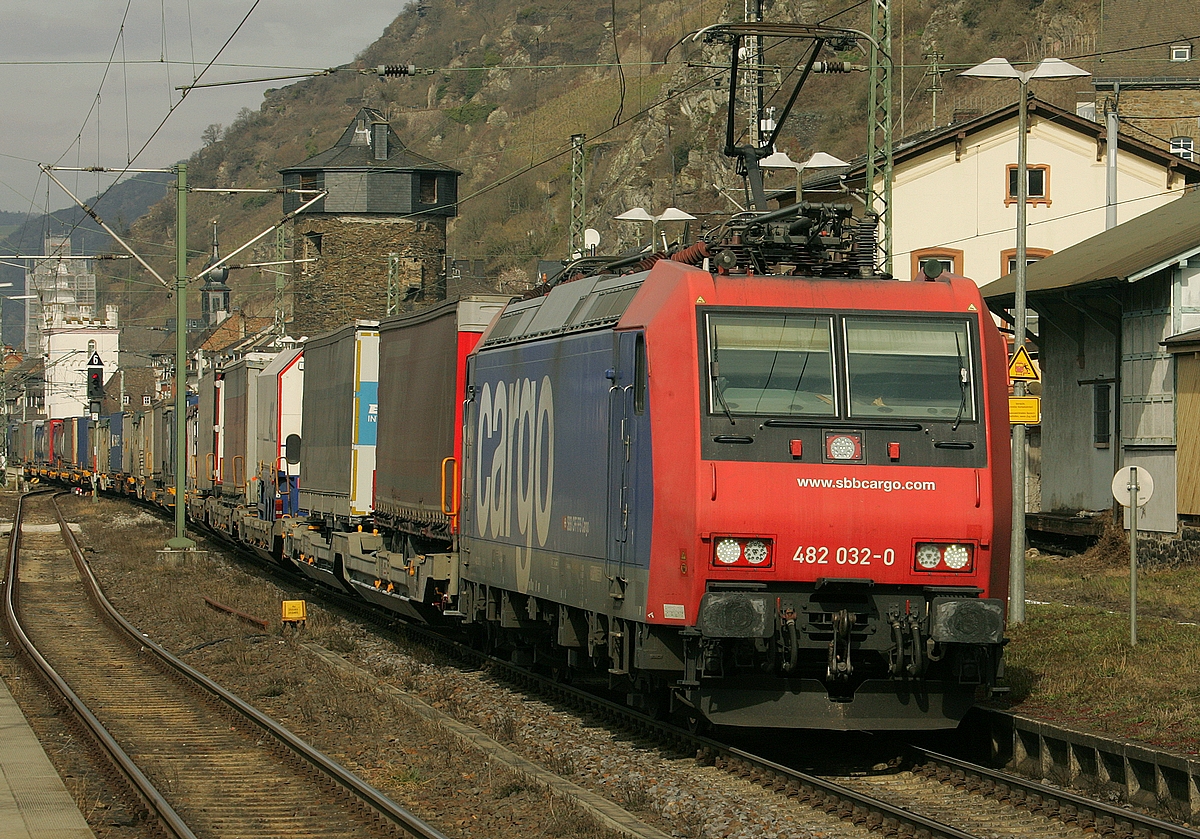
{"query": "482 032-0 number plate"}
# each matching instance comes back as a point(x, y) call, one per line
point(844, 555)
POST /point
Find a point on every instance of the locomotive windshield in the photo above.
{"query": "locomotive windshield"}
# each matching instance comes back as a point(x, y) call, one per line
point(790, 364)
point(779, 364)
point(909, 368)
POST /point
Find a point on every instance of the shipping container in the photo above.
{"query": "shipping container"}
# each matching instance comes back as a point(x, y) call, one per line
point(209, 466)
point(116, 437)
point(280, 409)
point(422, 363)
point(240, 450)
point(338, 428)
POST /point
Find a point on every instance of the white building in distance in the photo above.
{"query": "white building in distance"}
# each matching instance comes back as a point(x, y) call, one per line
point(70, 341)
point(70, 283)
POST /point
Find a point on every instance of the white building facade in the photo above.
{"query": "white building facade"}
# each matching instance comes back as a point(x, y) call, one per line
point(68, 283)
point(954, 190)
point(70, 341)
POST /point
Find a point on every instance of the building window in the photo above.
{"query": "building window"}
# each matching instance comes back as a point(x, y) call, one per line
point(1038, 182)
point(1183, 147)
point(949, 259)
point(310, 181)
point(312, 250)
point(428, 187)
point(1008, 258)
point(1101, 415)
point(1181, 52)
point(124, 398)
point(145, 400)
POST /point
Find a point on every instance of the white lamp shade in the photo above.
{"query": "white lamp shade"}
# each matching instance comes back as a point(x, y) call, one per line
point(675, 214)
point(636, 214)
point(1056, 68)
point(777, 160)
point(821, 160)
point(993, 68)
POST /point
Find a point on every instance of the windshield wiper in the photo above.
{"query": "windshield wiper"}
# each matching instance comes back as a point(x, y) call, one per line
point(962, 384)
point(714, 373)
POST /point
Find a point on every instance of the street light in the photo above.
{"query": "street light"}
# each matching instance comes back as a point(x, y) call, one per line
point(640, 214)
point(819, 160)
point(999, 68)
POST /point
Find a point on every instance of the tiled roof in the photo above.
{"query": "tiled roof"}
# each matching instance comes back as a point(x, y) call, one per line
point(1125, 253)
point(353, 150)
point(1136, 39)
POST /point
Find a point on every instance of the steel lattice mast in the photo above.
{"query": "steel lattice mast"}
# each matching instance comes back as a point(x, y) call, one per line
point(879, 132)
point(575, 243)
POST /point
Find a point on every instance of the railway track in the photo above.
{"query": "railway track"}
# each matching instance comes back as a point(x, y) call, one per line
point(935, 796)
point(203, 763)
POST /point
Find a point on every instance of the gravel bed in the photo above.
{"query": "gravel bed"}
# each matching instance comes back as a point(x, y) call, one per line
point(416, 763)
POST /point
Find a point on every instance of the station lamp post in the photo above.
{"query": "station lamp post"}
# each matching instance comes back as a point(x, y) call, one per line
point(819, 160)
point(1000, 68)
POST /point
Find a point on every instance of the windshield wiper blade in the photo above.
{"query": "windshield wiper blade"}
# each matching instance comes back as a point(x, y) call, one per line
point(714, 375)
point(962, 384)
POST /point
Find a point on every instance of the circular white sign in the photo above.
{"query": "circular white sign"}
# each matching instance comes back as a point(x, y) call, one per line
point(1120, 485)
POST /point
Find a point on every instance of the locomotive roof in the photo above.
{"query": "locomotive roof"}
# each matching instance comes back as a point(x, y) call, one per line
point(577, 306)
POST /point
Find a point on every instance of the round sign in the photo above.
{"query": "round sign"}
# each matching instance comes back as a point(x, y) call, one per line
point(1120, 485)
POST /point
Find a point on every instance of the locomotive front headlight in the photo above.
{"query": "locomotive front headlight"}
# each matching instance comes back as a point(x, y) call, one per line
point(956, 557)
point(928, 556)
point(756, 552)
point(728, 551)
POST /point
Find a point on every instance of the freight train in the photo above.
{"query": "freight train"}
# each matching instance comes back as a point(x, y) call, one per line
point(751, 481)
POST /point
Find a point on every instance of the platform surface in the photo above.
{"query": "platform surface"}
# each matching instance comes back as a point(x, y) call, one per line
point(34, 803)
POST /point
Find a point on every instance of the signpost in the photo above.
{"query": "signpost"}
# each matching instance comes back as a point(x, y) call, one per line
point(1132, 486)
point(95, 395)
point(1022, 411)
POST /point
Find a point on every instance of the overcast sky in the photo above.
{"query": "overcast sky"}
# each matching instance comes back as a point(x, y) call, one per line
point(66, 104)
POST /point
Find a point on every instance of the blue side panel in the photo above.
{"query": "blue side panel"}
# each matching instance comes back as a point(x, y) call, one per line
point(368, 413)
point(536, 472)
point(83, 448)
point(116, 437)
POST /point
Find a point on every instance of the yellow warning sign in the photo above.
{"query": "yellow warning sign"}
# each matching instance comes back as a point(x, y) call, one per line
point(1024, 410)
point(1021, 367)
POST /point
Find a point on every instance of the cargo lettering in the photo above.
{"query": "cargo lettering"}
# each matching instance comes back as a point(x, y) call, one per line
point(516, 424)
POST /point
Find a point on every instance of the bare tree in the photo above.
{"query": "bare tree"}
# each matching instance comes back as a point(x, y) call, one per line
point(212, 134)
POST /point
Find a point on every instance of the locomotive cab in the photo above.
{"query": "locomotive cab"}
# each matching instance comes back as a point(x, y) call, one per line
point(855, 501)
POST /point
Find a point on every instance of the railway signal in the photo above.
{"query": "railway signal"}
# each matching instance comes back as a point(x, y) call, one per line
point(95, 384)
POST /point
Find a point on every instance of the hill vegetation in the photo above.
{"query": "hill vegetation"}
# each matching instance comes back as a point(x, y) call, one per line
point(503, 85)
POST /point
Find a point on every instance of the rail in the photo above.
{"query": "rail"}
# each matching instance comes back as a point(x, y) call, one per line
point(351, 783)
point(142, 786)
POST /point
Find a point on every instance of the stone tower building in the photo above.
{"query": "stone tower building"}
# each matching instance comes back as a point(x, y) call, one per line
point(380, 233)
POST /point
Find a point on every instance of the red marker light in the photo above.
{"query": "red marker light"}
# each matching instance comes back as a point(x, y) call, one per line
point(797, 448)
point(894, 451)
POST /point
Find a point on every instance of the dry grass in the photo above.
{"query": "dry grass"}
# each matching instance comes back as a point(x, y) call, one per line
point(1072, 660)
point(1075, 664)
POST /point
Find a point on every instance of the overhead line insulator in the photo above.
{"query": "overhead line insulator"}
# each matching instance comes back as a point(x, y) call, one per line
point(396, 70)
point(836, 67)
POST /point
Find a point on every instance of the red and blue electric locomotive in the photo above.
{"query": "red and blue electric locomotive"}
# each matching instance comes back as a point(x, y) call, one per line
point(777, 500)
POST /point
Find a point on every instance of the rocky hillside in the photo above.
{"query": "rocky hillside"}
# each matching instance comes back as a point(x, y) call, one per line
point(508, 83)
